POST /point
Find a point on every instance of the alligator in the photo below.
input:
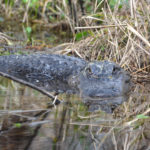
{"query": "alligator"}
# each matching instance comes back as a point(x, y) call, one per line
point(101, 84)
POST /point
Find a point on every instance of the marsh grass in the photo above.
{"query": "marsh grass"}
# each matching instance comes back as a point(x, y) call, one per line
point(123, 37)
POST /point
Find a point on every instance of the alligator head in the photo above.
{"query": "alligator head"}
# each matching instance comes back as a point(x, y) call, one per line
point(104, 84)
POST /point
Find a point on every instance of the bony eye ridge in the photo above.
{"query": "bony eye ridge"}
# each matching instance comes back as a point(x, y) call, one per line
point(90, 73)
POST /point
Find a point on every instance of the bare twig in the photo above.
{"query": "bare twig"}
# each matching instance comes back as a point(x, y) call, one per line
point(57, 101)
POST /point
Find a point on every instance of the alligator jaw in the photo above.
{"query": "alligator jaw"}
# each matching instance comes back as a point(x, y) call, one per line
point(105, 104)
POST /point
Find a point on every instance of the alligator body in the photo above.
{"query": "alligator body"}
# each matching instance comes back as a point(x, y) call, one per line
point(103, 83)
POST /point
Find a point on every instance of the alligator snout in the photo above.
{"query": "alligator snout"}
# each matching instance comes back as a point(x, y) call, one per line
point(104, 82)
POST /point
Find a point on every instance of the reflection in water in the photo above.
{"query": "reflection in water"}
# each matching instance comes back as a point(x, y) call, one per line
point(69, 125)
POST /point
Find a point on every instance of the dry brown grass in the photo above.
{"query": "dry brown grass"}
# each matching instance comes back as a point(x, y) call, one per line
point(123, 38)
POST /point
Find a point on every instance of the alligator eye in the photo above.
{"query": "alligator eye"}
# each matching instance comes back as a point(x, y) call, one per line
point(88, 70)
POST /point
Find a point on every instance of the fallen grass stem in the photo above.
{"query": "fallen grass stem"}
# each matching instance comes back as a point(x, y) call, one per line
point(99, 27)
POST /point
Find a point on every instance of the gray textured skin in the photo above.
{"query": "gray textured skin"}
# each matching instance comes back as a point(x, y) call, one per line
point(103, 84)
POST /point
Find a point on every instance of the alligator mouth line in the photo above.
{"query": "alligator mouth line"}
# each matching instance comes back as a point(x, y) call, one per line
point(109, 98)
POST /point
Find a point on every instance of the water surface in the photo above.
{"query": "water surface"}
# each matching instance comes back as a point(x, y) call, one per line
point(27, 123)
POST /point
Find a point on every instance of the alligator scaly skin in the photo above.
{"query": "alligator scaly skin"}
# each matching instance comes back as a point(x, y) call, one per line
point(103, 83)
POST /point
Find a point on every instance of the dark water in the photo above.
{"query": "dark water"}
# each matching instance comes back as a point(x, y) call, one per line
point(27, 124)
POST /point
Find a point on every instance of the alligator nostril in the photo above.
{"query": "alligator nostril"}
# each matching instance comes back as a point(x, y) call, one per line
point(127, 81)
point(116, 69)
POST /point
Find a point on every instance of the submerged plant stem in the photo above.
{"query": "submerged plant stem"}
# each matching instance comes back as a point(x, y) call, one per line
point(57, 101)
